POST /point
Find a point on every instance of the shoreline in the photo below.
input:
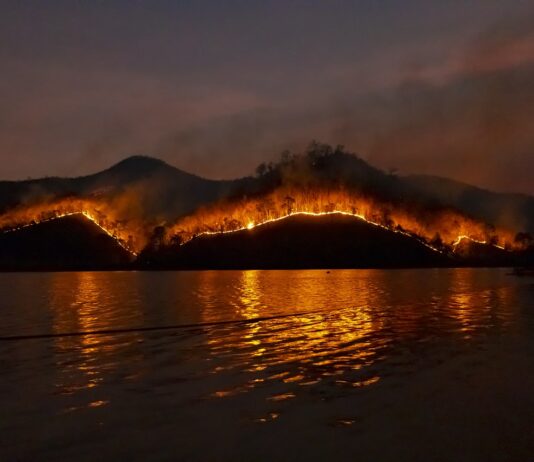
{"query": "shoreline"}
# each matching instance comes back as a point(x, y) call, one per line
point(142, 268)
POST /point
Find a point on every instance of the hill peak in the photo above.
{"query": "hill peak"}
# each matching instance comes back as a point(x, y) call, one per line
point(137, 167)
point(140, 162)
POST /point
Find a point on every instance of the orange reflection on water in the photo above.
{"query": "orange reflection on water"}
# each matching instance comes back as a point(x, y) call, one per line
point(307, 328)
point(80, 303)
point(250, 294)
point(346, 327)
point(476, 309)
point(307, 346)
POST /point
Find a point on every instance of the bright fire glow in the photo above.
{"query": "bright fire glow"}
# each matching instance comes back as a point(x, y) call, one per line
point(459, 240)
point(35, 215)
point(439, 229)
point(251, 225)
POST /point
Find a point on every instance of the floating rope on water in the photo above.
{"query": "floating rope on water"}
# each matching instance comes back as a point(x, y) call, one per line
point(204, 325)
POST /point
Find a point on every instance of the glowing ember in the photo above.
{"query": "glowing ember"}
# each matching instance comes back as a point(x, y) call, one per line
point(459, 240)
point(56, 215)
point(441, 230)
point(251, 225)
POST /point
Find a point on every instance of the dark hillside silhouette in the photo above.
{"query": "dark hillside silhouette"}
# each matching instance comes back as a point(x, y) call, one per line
point(69, 243)
point(299, 242)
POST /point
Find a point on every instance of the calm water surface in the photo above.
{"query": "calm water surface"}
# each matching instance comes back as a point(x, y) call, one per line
point(265, 355)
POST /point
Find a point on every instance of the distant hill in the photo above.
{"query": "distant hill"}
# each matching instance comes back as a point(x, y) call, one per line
point(164, 191)
point(159, 188)
point(300, 242)
point(513, 211)
point(68, 243)
point(475, 254)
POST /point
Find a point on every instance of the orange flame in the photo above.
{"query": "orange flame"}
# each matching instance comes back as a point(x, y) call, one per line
point(437, 228)
point(440, 229)
point(130, 236)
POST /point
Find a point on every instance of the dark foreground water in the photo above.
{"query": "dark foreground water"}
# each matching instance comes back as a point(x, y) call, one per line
point(274, 365)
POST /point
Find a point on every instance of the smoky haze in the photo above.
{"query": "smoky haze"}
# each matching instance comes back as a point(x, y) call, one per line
point(427, 87)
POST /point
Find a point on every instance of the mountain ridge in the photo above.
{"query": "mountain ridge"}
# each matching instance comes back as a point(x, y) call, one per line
point(281, 217)
point(165, 192)
point(494, 207)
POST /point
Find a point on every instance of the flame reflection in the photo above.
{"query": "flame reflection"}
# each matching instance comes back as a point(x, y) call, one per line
point(473, 308)
point(362, 324)
point(81, 302)
point(304, 348)
point(307, 333)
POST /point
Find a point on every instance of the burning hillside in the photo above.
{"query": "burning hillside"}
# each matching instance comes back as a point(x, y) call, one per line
point(331, 240)
point(72, 242)
point(129, 234)
point(321, 183)
point(440, 229)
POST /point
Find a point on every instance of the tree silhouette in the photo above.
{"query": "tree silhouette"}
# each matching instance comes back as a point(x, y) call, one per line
point(176, 240)
point(157, 239)
point(261, 169)
point(286, 157)
point(289, 202)
point(436, 241)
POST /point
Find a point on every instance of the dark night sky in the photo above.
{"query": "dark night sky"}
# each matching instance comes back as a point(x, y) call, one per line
point(215, 87)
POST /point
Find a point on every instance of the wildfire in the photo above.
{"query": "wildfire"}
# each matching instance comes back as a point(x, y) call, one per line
point(441, 230)
point(459, 240)
point(27, 217)
point(438, 230)
point(252, 225)
point(90, 217)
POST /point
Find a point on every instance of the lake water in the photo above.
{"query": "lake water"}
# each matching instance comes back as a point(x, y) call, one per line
point(267, 365)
